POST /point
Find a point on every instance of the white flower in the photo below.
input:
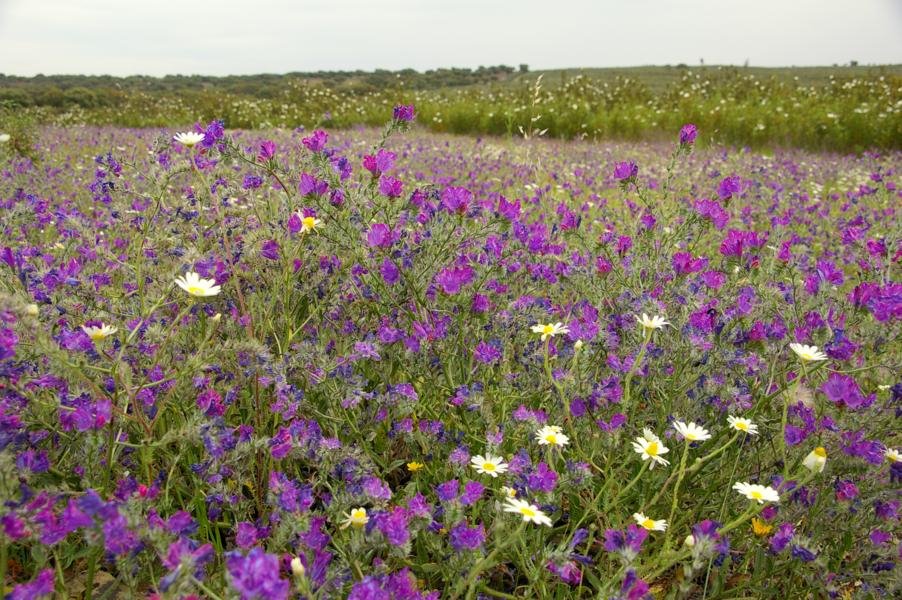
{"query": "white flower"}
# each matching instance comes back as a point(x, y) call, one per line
point(807, 353)
point(309, 224)
point(655, 322)
point(297, 567)
point(357, 517)
point(650, 524)
point(753, 491)
point(689, 541)
point(188, 138)
point(552, 435)
point(649, 446)
point(529, 512)
point(194, 285)
point(99, 333)
point(816, 460)
point(4, 137)
point(508, 492)
point(892, 455)
point(577, 345)
point(488, 464)
point(743, 424)
point(550, 330)
point(31, 310)
point(691, 432)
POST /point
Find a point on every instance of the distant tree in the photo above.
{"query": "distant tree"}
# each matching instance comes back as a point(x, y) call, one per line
point(853, 63)
point(524, 68)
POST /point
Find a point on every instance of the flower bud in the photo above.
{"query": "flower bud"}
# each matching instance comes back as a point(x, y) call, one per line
point(816, 460)
point(297, 567)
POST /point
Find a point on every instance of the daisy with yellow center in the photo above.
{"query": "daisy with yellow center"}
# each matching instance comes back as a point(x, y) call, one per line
point(759, 493)
point(508, 492)
point(550, 330)
point(655, 322)
point(650, 447)
point(189, 139)
point(760, 528)
point(488, 465)
point(691, 432)
point(529, 512)
point(816, 460)
point(98, 334)
point(742, 424)
point(194, 285)
point(892, 455)
point(650, 524)
point(309, 224)
point(356, 518)
point(807, 353)
point(552, 435)
point(414, 466)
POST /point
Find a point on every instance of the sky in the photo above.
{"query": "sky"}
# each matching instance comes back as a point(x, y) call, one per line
point(222, 37)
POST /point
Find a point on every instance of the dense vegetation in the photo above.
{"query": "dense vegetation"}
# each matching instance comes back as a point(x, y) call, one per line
point(841, 109)
point(403, 365)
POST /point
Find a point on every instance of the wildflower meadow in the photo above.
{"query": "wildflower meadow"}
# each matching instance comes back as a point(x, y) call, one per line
point(399, 364)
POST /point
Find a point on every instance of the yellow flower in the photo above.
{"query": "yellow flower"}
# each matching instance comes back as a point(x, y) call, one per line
point(807, 353)
point(552, 435)
point(488, 464)
point(414, 466)
point(357, 517)
point(650, 524)
point(528, 511)
point(743, 424)
point(760, 528)
point(309, 224)
point(650, 447)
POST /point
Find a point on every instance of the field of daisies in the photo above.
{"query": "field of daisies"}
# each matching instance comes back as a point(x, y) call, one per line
point(392, 364)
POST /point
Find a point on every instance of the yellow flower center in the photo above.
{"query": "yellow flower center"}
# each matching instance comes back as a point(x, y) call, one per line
point(742, 426)
point(548, 329)
point(652, 449)
point(196, 290)
point(821, 452)
point(527, 512)
point(648, 524)
point(309, 222)
point(488, 466)
point(96, 335)
point(551, 438)
point(757, 495)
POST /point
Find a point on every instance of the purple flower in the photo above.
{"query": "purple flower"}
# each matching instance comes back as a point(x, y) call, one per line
point(472, 493)
point(626, 171)
point(463, 537)
point(379, 163)
point(846, 491)
point(447, 491)
point(843, 390)
point(390, 187)
point(256, 576)
point(393, 526)
point(781, 539)
point(379, 236)
point(404, 113)
point(712, 210)
point(390, 273)
point(634, 588)
point(802, 553)
point(452, 279)
point(543, 479)
point(626, 543)
point(40, 587)
point(317, 141)
point(688, 133)
point(270, 250)
point(728, 187)
point(486, 353)
point(456, 200)
point(267, 150)
point(311, 186)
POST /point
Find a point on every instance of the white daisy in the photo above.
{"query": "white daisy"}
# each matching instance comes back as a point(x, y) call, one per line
point(194, 285)
point(550, 330)
point(551, 435)
point(892, 455)
point(743, 424)
point(357, 517)
point(753, 491)
point(655, 322)
point(188, 138)
point(529, 512)
point(488, 464)
point(650, 524)
point(650, 447)
point(98, 334)
point(816, 460)
point(807, 353)
point(691, 432)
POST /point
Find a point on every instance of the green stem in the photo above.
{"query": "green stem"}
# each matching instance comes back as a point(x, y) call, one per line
point(676, 495)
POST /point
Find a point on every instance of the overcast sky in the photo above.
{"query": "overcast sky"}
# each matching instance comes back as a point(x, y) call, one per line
point(219, 37)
